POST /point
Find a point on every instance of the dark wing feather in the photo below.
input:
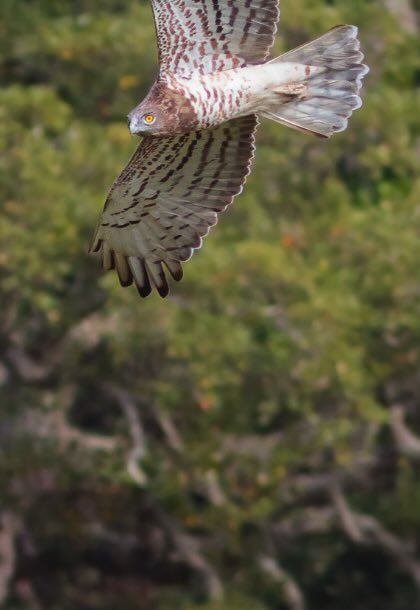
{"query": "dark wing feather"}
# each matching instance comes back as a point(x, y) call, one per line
point(167, 199)
point(208, 36)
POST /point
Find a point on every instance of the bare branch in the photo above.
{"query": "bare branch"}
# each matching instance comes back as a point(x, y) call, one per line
point(299, 487)
point(212, 489)
point(89, 331)
point(9, 526)
point(138, 450)
point(169, 430)
point(398, 549)
point(189, 552)
point(293, 596)
point(307, 521)
point(405, 13)
point(184, 548)
point(54, 426)
point(406, 441)
point(348, 521)
point(4, 374)
point(365, 529)
point(253, 445)
point(27, 368)
point(128, 542)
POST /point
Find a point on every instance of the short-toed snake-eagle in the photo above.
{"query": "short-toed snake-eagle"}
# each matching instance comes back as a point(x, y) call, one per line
point(198, 125)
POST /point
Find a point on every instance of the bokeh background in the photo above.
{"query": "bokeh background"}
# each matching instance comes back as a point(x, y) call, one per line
point(252, 442)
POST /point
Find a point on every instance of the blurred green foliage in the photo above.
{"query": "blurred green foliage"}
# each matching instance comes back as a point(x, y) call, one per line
point(280, 355)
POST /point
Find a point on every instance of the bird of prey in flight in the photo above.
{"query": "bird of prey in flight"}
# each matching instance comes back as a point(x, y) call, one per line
point(198, 126)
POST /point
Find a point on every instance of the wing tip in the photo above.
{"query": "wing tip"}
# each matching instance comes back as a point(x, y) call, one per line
point(144, 291)
point(163, 290)
point(95, 245)
point(175, 269)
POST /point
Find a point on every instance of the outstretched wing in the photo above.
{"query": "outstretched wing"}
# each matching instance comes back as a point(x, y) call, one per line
point(213, 35)
point(167, 198)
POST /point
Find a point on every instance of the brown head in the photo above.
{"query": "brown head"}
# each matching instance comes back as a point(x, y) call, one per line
point(164, 112)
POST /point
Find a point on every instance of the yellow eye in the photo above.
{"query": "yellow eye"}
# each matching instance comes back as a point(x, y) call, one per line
point(149, 118)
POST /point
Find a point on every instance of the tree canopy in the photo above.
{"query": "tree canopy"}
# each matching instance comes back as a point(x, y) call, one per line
point(250, 442)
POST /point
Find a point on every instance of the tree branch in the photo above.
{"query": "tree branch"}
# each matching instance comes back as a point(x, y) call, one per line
point(307, 521)
point(27, 368)
point(406, 441)
point(9, 526)
point(188, 550)
point(138, 450)
point(54, 427)
point(169, 430)
point(407, 16)
point(292, 594)
point(365, 529)
point(348, 520)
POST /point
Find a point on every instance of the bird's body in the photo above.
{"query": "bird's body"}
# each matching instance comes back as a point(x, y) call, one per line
point(208, 100)
point(199, 121)
point(218, 97)
point(222, 96)
point(205, 101)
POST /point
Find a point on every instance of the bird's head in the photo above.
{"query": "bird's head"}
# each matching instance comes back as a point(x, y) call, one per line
point(146, 120)
point(163, 112)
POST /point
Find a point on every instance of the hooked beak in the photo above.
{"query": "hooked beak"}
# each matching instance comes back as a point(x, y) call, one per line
point(132, 124)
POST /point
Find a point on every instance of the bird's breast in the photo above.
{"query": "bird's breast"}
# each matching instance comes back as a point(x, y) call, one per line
point(216, 97)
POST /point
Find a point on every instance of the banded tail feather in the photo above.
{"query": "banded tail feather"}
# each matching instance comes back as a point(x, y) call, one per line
point(323, 100)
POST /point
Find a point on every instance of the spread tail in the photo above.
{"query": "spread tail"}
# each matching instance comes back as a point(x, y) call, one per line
point(326, 78)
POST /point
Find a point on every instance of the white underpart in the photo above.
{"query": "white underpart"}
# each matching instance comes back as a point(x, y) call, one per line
point(313, 88)
point(241, 91)
point(265, 83)
point(261, 80)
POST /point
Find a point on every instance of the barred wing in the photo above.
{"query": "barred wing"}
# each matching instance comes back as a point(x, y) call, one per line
point(167, 198)
point(213, 35)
